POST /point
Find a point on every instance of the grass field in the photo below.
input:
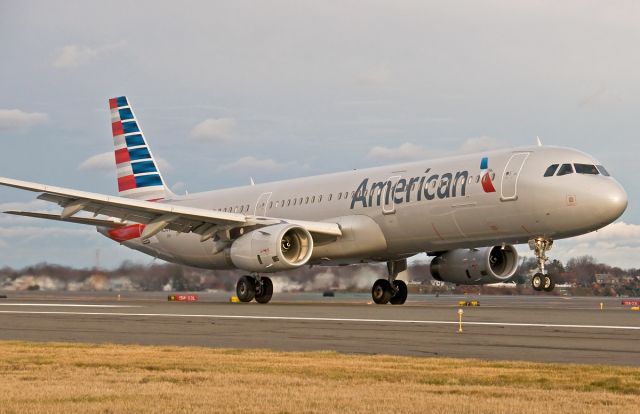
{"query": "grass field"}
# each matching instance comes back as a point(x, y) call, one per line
point(64, 378)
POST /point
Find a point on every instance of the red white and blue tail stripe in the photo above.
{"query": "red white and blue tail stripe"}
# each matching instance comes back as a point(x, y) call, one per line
point(138, 173)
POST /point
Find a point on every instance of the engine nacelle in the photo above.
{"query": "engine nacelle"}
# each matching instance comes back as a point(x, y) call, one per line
point(475, 266)
point(272, 249)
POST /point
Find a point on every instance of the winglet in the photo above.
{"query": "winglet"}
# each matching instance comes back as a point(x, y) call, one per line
point(538, 141)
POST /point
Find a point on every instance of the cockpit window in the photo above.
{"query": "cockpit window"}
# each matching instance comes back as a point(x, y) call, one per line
point(586, 169)
point(551, 170)
point(602, 170)
point(565, 169)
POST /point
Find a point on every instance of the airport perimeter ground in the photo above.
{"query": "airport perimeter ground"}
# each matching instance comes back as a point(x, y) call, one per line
point(309, 354)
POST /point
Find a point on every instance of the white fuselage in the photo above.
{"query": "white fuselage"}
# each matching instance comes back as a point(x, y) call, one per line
point(397, 211)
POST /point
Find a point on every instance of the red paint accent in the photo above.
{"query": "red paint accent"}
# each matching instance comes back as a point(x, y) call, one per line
point(487, 185)
point(125, 233)
point(113, 103)
point(127, 182)
point(153, 200)
point(631, 302)
point(122, 155)
point(116, 128)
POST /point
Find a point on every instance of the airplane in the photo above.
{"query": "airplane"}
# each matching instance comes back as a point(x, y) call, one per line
point(466, 211)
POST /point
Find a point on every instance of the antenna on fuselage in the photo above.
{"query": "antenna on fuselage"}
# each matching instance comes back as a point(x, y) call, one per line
point(251, 179)
point(538, 141)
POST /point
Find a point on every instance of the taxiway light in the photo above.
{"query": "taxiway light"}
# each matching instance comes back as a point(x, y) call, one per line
point(460, 313)
point(182, 298)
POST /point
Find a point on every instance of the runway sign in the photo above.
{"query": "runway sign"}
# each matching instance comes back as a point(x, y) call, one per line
point(183, 298)
point(631, 302)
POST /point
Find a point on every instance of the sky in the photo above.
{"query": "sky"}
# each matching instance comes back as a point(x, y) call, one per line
point(228, 90)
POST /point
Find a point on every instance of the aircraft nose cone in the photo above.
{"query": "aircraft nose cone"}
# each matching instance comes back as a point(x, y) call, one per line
point(614, 200)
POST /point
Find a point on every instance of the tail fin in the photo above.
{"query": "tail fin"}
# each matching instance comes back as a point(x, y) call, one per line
point(138, 173)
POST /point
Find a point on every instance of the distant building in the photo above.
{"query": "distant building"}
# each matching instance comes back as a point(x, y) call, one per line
point(606, 279)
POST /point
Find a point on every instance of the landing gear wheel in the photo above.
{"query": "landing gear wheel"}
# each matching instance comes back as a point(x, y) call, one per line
point(264, 290)
point(537, 281)
point(549, 284)
point(246, 288)
point(400, 296)
point(381, 291)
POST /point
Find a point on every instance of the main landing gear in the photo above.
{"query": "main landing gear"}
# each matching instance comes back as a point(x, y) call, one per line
point(391, 290)
point(255, 287)
point(541, 280)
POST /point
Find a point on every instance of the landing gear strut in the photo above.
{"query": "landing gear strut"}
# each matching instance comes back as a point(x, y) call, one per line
point(541, 280)
point(255, 287)
point(391, 290)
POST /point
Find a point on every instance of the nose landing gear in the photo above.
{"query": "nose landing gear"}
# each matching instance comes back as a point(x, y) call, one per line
point(391, 290)
point(541, 280)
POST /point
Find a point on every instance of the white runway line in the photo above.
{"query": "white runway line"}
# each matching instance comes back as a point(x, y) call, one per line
point(69, 305)
point(312, 319)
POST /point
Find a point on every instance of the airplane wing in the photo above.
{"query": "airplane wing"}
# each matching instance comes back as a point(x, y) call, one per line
point(156, 216)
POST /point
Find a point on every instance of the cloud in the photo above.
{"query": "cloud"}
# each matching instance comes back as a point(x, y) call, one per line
point(213, 130)
point(374, 77)
point(482, 143)
point(406, 151)
point(106, 162)
point(101, 162)
point(17, 119)
point(72, 56)
point(601, 98)
point(254, 163)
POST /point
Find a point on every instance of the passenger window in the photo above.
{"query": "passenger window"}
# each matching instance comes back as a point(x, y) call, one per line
point(330, 196)
point(602, 170)
point(277, 204)
point(565, 169)
point(294, 201)
point(586, 169)
point(320, 198)
point(313, 199)
point(306, 200)
point(288, 202)
point(339, 196)
point(551, 170)
point(235, 210)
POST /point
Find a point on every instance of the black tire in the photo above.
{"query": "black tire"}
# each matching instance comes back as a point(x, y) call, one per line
point(246, 289)
point(537, 281)
point(264, 292)
point(549, 283)
point(400, 296)
point(381, 291)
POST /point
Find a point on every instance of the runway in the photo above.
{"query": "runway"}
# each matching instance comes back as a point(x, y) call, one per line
point(540, 328)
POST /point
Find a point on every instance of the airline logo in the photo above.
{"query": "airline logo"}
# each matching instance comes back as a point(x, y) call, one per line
point(135, 166)
point(487, 185)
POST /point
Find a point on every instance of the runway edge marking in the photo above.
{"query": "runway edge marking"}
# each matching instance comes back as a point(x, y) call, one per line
point(316, 319)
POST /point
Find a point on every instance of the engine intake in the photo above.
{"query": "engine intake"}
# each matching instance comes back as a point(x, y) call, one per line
point(272, 249)
point(475, 266)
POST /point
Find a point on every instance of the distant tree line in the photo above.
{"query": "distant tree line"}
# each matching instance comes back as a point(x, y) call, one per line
point(579, 273)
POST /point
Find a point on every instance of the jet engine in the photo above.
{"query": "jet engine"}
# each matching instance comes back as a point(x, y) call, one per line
point(475, 266)
point(272, 248)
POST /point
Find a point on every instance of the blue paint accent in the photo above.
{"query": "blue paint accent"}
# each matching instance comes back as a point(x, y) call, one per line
point(139, 154)
point(134, 140)
point(130, 127)
point(484, 164)
point(125, 113)
point(122, 101)
point(148, 180)
point(143, 167)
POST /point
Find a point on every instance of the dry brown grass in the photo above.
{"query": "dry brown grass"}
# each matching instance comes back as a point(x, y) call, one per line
point(63, 378)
